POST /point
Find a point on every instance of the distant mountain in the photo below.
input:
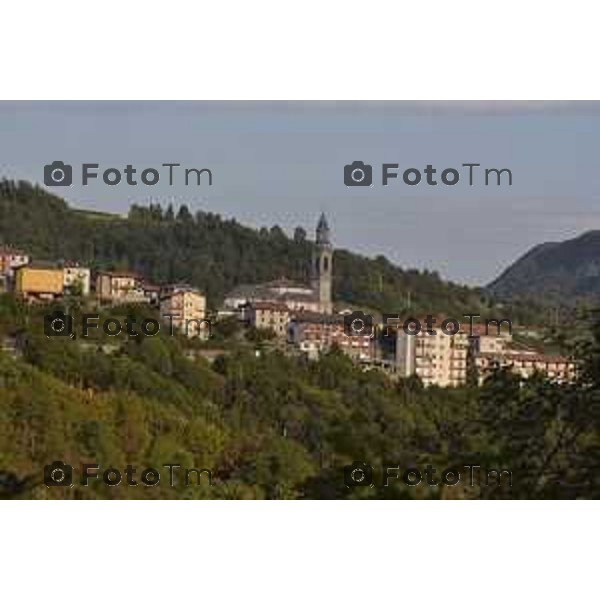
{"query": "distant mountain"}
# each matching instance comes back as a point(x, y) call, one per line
point(563, 272)
point(212, 253)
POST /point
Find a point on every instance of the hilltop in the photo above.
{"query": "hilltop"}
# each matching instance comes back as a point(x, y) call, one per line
point(561, 272)
point(210, 252)
point(267, 424)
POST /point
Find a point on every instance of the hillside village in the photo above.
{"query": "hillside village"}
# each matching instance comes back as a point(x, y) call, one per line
point(302, 317)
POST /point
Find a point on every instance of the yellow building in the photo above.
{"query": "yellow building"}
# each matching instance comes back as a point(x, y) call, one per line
point(484, 342)
point(269, 315)
point(184, 308)
point(39, 282)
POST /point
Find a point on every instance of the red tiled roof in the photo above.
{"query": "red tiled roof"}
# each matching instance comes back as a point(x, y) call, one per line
point(130, 274)
point(524, 357)
point(269, 306)
point(545, 358)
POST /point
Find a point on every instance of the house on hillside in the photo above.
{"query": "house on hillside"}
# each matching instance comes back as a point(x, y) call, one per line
point(268, 315)
point(76, 278)
point(120, 287)
point(314, 333)
point(39, 281)
point(183, 307)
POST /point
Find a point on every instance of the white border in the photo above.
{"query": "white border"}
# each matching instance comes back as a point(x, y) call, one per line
point(314, 49)
point(304, 550)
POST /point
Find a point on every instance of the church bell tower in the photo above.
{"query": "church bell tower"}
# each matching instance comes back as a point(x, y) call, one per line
point(322, 263)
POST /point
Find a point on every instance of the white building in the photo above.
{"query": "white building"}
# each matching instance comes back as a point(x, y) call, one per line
point(438, 359)
point(76, 277)
point(525, 363)
point(298, 297)
point(295, 296)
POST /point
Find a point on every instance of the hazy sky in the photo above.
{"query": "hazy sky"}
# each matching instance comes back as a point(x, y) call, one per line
point(283, 163)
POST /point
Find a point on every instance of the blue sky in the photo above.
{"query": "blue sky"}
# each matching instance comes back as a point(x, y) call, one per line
point(283, 163)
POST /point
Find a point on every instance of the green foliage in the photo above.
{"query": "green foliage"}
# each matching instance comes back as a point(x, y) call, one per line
point(272, 426)
point(266, 424)
point(260, 335)
point(212, 253)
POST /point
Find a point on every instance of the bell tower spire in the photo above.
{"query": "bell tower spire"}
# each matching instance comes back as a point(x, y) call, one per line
point(322, 264)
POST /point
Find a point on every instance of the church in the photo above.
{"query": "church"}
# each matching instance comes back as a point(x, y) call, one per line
point(297, 297)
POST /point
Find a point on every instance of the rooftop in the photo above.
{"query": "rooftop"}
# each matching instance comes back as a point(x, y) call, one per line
point(129, 274)
point(173, 290)
point(305, 316)
point(44, 265)
point(527, 357)
point(267, 291)
point(277, 306)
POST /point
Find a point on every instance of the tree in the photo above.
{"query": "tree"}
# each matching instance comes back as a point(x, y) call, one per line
point(299, 235)
point(184, 215)
point(256, 335)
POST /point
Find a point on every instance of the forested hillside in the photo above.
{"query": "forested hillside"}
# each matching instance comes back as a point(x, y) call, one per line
point(275, 426)
point(565, 273)
point(267, 425)
point(212, 253)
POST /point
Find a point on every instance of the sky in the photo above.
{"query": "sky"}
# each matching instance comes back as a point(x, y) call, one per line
point(283, 163)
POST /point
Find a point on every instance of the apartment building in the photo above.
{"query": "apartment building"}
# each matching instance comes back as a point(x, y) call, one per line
point(184, 308)
point(39, 281)
point(487, 340)
point(268, 315)
point(76, 279)
point(438, 359)
point(525, 363)
point(120, 287)
point(445, 360)
point(314, 333)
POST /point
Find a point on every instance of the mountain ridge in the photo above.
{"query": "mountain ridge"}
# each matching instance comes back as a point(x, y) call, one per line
point(564, 272)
